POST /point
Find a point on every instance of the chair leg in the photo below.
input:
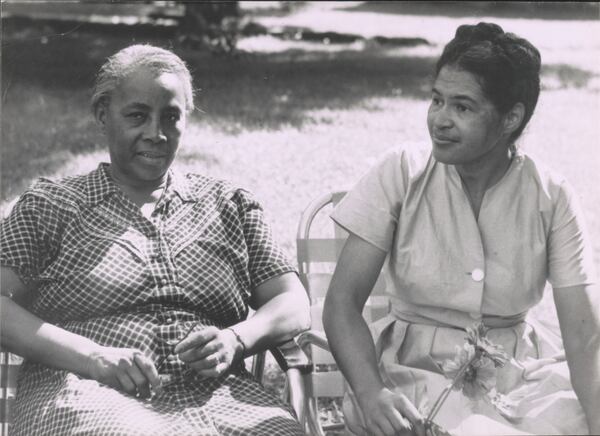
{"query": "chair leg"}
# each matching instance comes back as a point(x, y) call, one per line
point(296, 395)
point(4, 362)
point(258, 366)
point(314, 426)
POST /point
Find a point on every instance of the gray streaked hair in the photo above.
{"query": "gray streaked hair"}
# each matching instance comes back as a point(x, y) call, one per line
point(140, 56)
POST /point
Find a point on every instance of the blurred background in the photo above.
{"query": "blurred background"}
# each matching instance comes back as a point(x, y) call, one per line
point(294, 98)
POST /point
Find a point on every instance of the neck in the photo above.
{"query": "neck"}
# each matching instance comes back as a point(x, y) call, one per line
point(484, 172)
point(143, 189)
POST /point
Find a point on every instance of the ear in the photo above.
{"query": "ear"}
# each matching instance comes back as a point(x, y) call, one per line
point(513, 118)
point(100, 113)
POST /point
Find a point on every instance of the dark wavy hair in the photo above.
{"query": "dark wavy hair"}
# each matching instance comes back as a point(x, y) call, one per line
point(508, 66)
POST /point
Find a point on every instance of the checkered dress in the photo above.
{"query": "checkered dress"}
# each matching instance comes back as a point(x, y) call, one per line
point(103, 271)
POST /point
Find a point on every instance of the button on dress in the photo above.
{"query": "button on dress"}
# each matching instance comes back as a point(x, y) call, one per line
point(102, 270)
point(446, 270)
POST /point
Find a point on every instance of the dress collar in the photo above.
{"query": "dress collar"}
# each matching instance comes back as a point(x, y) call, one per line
point(515, 161)
point(179, 184)
point(100, 185)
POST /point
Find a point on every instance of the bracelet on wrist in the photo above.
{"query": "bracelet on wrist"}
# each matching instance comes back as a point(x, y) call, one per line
point(239, 339)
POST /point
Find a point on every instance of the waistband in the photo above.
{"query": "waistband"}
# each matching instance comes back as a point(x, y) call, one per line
point(453, 318)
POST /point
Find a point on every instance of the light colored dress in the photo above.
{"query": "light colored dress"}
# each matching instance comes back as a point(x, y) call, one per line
point(447, 270)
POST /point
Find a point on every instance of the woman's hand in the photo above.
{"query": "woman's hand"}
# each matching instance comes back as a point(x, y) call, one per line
point(390, 414)
point(125, 369)
point(210, 351)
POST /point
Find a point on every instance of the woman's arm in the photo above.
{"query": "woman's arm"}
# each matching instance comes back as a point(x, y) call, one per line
point(351, 343)
point(27, 335)
point(282, 311)
point(578, 310)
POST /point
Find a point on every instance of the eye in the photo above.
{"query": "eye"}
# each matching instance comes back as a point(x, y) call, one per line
point(436, 101)
point(461, 107)
point(172, 117)
point(136, 116)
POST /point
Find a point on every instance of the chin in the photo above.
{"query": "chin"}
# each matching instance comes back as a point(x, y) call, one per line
point(444, 156)
point(150, 175)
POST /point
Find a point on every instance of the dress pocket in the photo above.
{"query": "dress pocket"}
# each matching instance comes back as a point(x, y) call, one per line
point(388, 334)
point(444, 345)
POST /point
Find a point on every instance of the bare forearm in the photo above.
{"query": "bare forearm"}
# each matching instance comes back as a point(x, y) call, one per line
point(352, 345)
point(30, 337)
point(277, 320)
point(348, 334)
point(582, 348)
point(584, 366)
point(578, 310)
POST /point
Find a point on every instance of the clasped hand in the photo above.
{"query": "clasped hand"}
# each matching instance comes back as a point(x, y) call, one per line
point(125, 369)
point(210, 352)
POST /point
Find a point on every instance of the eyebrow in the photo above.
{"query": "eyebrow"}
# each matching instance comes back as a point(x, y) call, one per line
point(146, 107)
point(458, 96)
point(135, 106)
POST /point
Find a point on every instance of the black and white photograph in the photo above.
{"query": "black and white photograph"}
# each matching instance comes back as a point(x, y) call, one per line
point(299, 218)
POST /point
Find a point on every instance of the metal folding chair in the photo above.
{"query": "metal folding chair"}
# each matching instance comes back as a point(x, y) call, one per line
point(319, 243)
point(9, 370)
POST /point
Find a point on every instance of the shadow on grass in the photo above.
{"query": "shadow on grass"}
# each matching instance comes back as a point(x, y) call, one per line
point(567, 76)
point(502, 9)
point(277, 90)
point(46, 82)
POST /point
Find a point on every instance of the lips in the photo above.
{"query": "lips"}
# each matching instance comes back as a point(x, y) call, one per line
point(151, 154)
point(438, 139)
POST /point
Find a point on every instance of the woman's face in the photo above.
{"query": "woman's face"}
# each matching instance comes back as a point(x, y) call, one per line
point(463, 123)
point(144, 121)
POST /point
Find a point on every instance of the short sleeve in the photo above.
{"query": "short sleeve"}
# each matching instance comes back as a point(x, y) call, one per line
point(570, 258)
point(371, 209)
point(266, 259)
point(28, 237)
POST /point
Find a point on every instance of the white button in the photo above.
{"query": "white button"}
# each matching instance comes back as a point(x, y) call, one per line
point(477, 275)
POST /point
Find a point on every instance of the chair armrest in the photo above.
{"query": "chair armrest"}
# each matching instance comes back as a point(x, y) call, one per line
point(313, 337)
point(289, 355)
point(301, 397)
point(297, 366)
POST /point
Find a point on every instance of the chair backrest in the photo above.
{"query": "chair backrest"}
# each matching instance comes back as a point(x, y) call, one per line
point(9, 369)
point(319, 243)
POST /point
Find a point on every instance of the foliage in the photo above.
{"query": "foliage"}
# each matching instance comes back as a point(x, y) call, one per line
point(214, 25)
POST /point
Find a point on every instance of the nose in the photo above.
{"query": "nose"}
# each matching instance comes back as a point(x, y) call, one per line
point(154, 131)
point(442, 119)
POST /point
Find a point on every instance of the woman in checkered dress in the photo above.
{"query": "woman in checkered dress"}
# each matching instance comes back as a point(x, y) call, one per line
point(127, 290)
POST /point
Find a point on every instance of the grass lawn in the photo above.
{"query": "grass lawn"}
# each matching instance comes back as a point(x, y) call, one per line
point(287, 125)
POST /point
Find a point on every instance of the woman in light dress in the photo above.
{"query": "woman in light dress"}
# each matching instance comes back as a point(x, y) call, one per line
point(468, 234)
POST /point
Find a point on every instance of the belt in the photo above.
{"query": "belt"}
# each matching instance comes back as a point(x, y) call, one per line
point(451, 318)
